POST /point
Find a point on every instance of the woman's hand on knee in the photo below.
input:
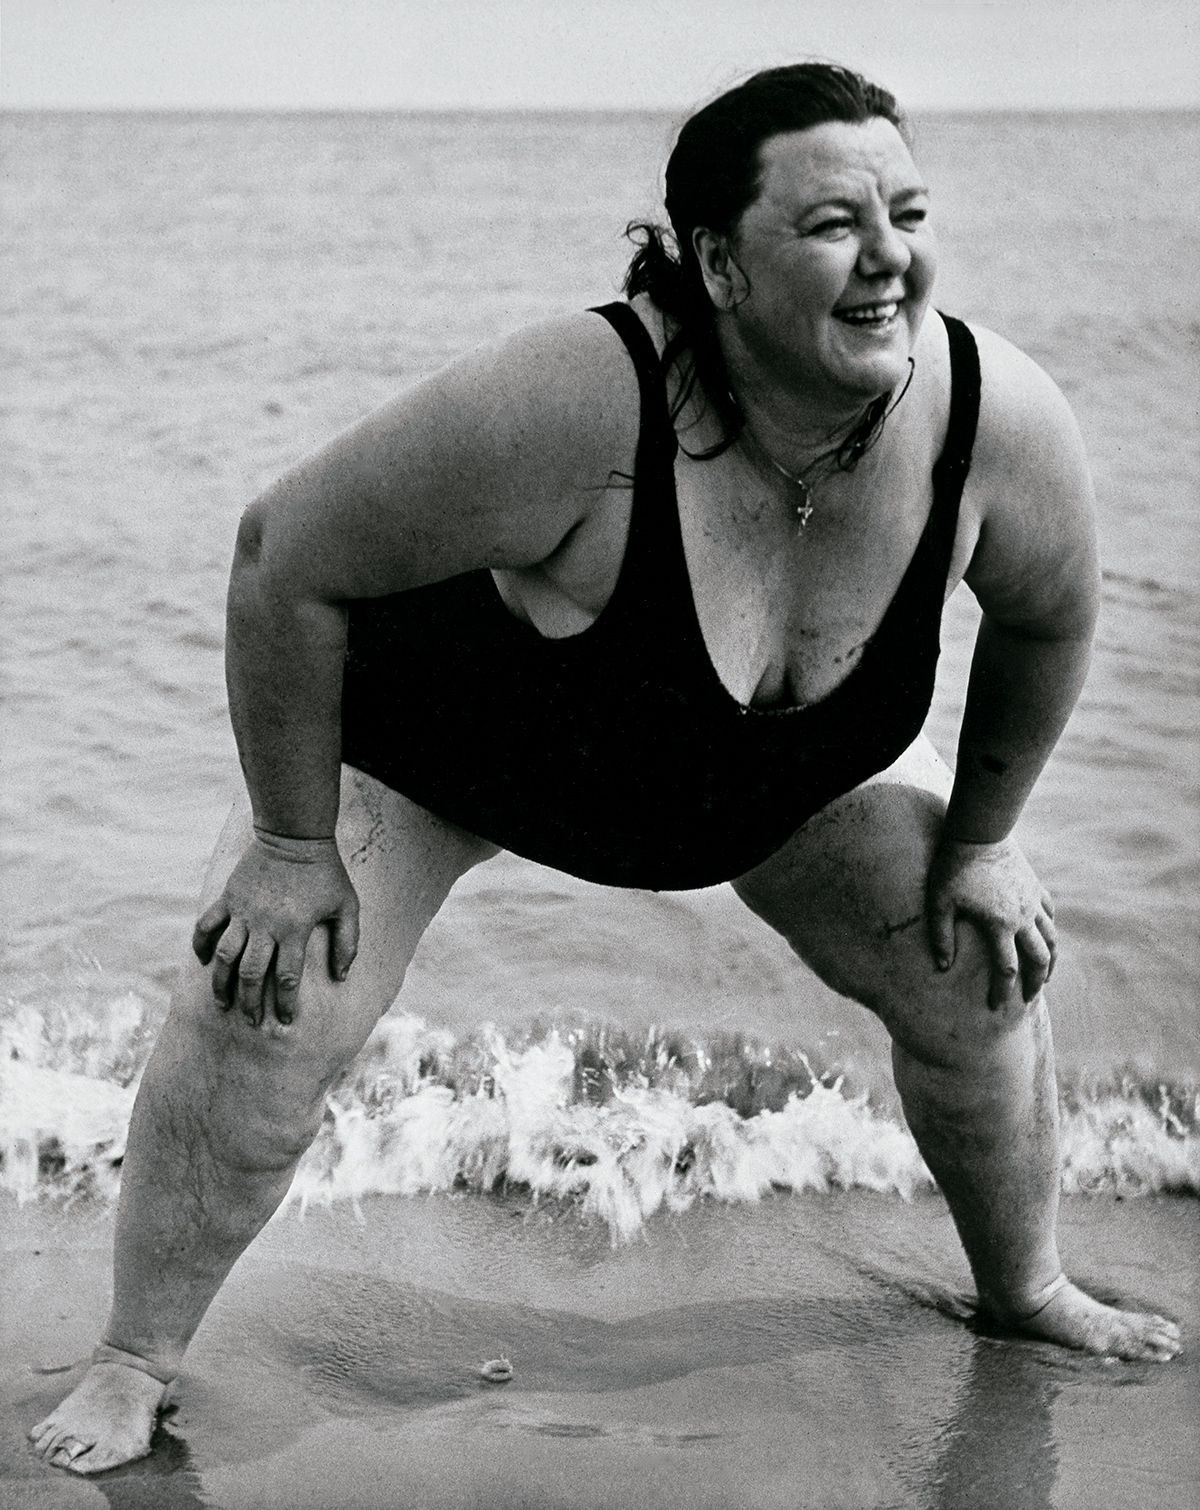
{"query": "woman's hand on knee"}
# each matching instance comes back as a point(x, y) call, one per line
point(256, 933)
point(994, 887)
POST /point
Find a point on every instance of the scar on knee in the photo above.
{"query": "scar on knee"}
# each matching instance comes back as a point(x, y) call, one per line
point(891, 929)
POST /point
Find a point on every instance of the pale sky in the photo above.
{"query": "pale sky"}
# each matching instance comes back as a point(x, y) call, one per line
point(382, 54)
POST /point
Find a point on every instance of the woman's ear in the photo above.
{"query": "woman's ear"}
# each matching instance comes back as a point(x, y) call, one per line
point(723, 278)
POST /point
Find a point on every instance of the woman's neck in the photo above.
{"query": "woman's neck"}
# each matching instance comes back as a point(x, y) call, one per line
point(793, 424)
point(794, 427)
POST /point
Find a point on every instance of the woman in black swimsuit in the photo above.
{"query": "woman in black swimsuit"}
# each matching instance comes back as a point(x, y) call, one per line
point(651, 594)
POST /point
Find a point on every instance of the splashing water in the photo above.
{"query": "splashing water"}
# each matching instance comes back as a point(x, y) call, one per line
point(615, 1125)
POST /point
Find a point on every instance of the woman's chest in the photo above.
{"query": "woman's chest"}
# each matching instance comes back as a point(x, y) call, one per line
point(786, 605)
point(784, 609)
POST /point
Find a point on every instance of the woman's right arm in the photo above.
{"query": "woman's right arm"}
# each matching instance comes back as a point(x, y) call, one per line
point(283, 669)
point(491, 463)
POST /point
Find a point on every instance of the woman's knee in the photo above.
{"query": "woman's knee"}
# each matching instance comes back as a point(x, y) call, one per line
point(940, 1017)
point(264, 1083)
point(943, 1017)
point(848, 894)
point(251, 1093)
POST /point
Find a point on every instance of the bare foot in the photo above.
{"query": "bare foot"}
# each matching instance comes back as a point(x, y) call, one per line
point(109, 1419)
point(1070, 1317)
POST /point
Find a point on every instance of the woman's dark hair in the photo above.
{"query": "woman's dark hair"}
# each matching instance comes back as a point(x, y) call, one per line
point(713, 176)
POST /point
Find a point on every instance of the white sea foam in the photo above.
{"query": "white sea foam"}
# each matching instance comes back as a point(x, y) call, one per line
point(391, 1131)
point(550, 1115)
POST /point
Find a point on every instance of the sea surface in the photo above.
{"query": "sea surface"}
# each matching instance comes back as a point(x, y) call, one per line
point(193, 302)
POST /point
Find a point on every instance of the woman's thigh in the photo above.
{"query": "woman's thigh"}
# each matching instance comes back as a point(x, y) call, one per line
point(848, 893)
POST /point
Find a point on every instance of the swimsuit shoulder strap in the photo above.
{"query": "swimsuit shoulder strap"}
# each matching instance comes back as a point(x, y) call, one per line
point(954, 463)
point(919, 598)
point(657, 430)
point(654, 572)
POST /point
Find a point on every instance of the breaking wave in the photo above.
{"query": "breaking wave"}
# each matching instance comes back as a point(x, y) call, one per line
point(616, 1125)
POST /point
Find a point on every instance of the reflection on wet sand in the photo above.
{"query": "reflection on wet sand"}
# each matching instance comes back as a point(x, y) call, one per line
point(998, 1451)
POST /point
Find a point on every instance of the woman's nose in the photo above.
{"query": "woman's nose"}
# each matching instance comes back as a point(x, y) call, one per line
point(884, 251)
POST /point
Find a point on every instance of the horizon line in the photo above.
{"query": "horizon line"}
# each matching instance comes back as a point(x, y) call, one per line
point(1158, 108)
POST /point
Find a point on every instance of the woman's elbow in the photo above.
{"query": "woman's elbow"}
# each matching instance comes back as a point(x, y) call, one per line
point(251, 536)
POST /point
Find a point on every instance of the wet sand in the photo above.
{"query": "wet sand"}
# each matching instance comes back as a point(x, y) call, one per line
point(808, 1351)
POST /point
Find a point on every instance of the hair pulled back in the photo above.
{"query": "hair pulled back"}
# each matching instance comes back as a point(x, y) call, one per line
point(712, 177)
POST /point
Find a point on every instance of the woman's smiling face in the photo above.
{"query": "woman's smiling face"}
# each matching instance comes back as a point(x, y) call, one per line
point(828, 273)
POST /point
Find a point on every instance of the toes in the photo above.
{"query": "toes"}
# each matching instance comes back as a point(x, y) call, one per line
point(1152, 1337)
point(99, 1459)
point(67, 1452)
point(45, 1432)
point(61, 1450)
point(1165, 1342)
point(50, 1437)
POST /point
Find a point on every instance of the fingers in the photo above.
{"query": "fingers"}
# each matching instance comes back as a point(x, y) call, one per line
point(1025, 960)
point(253, 974)
point(225, 962)
point(289, 969)
point(1045, 926)
point(993, 888)
point(1037, 959)
point(343, 942)
point(256, 936)
point(1004, 983)
point(252, 971)
point(209, 926)
point(941, 933)
point(241, 967)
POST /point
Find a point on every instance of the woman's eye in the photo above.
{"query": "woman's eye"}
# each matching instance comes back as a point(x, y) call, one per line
point(913, 217)
point(832, 226)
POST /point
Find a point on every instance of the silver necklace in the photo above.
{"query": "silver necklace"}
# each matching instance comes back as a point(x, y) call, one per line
point(802, 507)
point(846, 454)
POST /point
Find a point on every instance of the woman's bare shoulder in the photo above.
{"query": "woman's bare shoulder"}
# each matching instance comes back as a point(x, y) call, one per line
point(1030, 488)
point(491, 461)
point(1024, 418)
point(569, 370)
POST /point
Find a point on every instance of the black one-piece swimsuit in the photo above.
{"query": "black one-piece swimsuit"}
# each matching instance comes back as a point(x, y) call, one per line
point(617, 754)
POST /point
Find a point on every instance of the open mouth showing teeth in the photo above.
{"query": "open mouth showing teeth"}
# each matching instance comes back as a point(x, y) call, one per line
point(869, 314)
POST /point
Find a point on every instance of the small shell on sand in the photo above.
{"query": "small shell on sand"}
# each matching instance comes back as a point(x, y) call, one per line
point(496, 1371)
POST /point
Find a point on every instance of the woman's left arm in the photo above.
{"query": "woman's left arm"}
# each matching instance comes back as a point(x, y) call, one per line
point(1034, 572)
